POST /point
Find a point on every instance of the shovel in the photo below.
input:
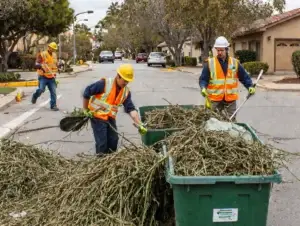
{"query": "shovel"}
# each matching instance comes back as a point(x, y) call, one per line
point(248, 96)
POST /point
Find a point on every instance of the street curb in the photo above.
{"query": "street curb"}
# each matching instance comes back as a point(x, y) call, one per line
point(187, 71)
point(29, 83)
point(9, 99)
point(74, 74)
point(278, 89)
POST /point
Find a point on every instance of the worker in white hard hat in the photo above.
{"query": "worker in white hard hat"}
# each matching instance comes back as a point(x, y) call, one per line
point(220, 77)
point(46, 65)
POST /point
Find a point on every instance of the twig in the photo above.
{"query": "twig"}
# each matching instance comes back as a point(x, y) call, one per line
point(36, 129)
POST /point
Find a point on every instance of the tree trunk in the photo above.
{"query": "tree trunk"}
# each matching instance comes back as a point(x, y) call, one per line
point(205, 52)
point(6, 56)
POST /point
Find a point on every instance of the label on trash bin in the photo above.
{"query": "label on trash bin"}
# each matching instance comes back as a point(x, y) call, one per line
point(225, 215)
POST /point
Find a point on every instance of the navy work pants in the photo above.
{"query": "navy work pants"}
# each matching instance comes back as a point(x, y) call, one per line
point(51, 84)
point(105, 137)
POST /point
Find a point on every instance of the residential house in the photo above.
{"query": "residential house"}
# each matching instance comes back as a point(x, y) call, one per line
point(274, 39)
point(187, 49)
point(30, 39)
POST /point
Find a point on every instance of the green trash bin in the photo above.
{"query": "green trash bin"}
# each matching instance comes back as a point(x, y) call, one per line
point(155, 135)
point(221, 200)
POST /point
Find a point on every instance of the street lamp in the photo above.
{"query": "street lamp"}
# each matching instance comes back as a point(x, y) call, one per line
point(59, 39)
point(74, 39)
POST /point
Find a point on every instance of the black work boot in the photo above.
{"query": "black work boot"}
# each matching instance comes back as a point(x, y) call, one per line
point(54, 108)
point(33, 100)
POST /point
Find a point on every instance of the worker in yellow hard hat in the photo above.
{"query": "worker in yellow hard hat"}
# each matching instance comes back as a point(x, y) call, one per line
point(101, 101)
point(46, 65)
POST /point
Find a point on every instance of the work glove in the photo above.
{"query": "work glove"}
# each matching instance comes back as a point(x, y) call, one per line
point(207, 103)
point(142, 129)
point(251, 90)
point(87, 113)
point(56, 82)
point(204, 92)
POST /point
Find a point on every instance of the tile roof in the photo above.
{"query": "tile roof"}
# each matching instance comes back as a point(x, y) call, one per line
point(262, 23)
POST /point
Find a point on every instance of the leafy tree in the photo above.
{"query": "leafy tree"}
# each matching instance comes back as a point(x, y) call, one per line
point(128, 28)
point(168, 19)
point(222, 17)
point(47, 17)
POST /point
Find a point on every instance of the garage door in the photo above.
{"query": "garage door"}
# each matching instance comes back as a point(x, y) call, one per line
point(284, 51)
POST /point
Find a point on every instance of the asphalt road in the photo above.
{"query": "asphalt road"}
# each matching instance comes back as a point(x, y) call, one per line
point(275, 116)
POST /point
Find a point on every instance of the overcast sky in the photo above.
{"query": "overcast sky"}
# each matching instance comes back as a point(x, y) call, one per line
point(100, 7)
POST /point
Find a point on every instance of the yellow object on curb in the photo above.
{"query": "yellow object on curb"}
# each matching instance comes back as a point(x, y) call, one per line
point(19, 97)
point(167, 69)
point(20, 84)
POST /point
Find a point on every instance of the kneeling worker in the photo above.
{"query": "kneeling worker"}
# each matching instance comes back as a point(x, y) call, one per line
point(102, 100)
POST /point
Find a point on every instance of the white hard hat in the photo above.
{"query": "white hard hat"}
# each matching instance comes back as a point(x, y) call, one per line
point(221, 42)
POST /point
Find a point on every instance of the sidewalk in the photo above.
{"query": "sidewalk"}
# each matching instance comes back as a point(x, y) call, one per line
point(267, 82)
point(32, 75)
point(8, 99)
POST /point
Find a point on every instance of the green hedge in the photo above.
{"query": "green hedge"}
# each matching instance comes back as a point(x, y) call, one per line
point(9, 77)
point(245, 55)
point(254, 67)
point(190, 61)
point(28, 62)
point(296, 62)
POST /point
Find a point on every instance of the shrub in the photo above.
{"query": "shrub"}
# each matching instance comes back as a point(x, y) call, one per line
point(28, 62)
point(190, 61)
point(245, 55)
point(254, 67)
point(9, 77)
point(296, 62)
point(170, 62)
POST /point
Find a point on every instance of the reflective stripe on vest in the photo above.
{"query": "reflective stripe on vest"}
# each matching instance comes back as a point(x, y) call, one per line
point(49, 65)
point(221, 86)
point(101, 104)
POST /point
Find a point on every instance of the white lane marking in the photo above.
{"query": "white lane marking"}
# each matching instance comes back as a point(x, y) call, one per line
point(13, 124)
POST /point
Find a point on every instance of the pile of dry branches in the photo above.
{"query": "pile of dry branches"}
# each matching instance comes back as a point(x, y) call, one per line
point(175, 116)
point(197, 152)
point(123, 188)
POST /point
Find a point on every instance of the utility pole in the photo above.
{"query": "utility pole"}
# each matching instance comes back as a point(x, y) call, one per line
point(74, 35)
point(59, 46)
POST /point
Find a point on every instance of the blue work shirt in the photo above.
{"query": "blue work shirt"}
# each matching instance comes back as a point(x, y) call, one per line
point(98, 88)
point(243, 76)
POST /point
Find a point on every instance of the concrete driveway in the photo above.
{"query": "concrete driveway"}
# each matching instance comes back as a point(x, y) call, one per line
point(275, 115)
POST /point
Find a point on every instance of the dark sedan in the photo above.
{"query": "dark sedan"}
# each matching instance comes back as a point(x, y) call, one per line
point(106, 56)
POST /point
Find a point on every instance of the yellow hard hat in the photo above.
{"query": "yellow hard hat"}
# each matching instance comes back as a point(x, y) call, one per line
point(126, 72)
point(53, 45)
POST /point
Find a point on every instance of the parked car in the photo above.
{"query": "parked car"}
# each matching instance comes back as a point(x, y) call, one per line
point(157, 58)
point(106, 56)
point(141, 57)
point(118, 55)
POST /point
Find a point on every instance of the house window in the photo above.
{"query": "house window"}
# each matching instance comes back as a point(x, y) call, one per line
point(257, 50)
point(244, 45)
point(281, 44)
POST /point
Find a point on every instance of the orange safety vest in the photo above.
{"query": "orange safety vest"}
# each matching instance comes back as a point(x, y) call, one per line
point(49, 64)
point(220, 85)
point(106, 104)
